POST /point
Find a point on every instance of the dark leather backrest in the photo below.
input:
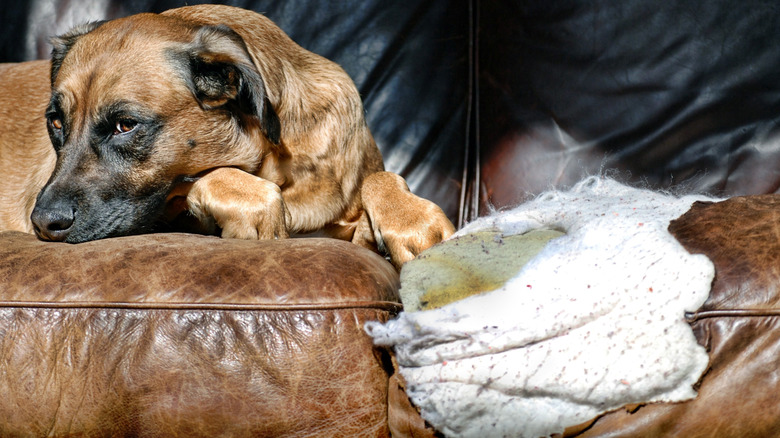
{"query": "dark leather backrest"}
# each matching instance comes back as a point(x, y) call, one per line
point(668, 93)
point(482, 103)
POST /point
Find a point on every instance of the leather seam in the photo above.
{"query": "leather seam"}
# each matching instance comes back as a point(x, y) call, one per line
point(730, 313)
point(379, 305)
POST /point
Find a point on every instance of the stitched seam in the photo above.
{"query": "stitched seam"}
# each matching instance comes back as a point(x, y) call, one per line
point(381, 305)
point(731, 313)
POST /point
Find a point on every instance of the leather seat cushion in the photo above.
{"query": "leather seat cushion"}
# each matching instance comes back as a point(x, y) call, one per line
point(183, 335)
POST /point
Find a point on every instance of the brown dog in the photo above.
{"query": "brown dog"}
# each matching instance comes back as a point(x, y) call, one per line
point(211, 104)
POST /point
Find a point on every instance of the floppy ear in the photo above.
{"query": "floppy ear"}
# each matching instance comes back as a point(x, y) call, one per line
point(63, 43)
point(222, 73)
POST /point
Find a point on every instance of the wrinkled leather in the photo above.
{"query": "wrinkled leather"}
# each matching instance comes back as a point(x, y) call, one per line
point(742, 237)
point(182, 268)
point(480, 104)
point(670, 93)
point(403, 417)
point(739, 325)
point(179, 335)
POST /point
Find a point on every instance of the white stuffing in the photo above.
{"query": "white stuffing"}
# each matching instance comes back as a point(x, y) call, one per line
point(594, 322)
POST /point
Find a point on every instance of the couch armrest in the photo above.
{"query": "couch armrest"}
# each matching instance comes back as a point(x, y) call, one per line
point(173, 334)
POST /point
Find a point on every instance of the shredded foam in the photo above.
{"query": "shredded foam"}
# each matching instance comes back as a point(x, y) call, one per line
point(594, 322)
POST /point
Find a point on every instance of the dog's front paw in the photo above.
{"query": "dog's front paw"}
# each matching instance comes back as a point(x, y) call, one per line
point(403, 224)
point(242, 205)
point(427, 226)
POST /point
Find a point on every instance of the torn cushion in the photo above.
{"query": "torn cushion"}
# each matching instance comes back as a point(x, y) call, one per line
point(595, 321)
point(739, 325)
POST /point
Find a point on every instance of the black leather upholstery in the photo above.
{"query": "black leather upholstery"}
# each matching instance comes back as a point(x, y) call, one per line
point(481, 103)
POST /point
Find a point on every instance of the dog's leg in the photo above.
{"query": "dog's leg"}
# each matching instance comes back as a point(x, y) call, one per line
point(364, 235)
point(243, 205)
point(403, 224)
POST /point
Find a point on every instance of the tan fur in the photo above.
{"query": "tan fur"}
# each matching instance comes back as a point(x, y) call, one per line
point(326, 173)
point(26, 155)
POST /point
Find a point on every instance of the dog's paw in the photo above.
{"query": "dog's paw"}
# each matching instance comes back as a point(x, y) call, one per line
point(242, 205)
point(426, 226)
point(403, 224)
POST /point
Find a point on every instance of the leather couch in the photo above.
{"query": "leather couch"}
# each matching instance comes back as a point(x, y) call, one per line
point(479, 104)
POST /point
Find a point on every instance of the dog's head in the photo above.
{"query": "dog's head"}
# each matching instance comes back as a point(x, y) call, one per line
point(139, 106)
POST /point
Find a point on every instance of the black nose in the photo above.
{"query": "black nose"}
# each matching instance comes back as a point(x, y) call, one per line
point(52, 223)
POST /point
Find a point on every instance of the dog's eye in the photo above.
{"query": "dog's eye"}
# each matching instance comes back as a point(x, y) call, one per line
point(124, 126)
point(56, 123)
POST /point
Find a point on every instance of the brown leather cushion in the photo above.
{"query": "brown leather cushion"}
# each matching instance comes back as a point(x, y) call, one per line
point(183, 335)
point(739, 325)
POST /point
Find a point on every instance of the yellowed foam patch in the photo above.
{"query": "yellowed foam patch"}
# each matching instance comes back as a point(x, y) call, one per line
point(468, 265)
